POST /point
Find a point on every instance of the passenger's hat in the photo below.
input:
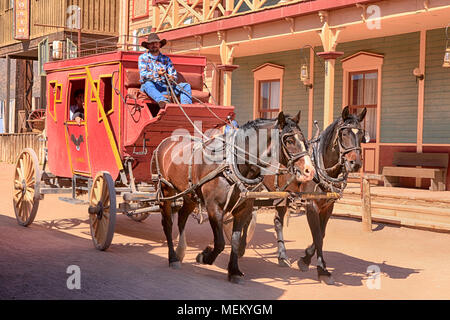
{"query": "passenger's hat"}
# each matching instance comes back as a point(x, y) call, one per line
point(153, 37)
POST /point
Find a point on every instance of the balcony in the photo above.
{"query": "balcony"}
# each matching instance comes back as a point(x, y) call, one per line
point(173, 14)
point(52, 16)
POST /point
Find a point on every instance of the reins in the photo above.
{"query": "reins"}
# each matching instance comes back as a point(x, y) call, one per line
point(229, 169)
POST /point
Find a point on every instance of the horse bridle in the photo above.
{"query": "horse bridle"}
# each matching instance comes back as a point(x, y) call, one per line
point(330, 182)
point(293, 157)
point(343, 150)
point(290, 157)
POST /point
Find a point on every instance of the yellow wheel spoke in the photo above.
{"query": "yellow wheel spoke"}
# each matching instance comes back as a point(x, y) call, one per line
point(20, 170)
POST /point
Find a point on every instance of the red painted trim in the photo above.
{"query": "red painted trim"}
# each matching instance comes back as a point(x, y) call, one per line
point(330, 55)
point(227, 67)
point(263, 16)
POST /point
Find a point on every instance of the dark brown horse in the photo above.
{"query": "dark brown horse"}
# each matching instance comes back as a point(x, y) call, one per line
point(217, 185)
point(336, 152)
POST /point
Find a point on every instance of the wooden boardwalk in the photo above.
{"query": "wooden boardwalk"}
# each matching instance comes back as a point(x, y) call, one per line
point(404, 206)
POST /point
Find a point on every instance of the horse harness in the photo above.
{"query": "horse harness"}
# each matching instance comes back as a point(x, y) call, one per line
point(322, 179)
point(227, 169)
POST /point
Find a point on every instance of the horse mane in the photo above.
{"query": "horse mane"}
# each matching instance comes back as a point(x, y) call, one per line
point(328, 134)
point(256, 124)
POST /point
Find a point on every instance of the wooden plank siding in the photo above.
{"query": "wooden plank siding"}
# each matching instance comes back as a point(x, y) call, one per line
point(319, 89)
point(6, 26)
point(11, 145)
point(295, 95)
point(437, 91)
point(99, 17)
point(399, 88)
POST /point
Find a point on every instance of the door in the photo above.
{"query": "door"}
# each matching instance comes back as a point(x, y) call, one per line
point(363, 93)
point(76, 133)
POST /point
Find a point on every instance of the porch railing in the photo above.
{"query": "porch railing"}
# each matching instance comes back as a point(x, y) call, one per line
point(173, 14)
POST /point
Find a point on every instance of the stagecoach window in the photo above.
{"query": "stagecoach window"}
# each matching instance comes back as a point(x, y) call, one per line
point(364, 94)
point(106, 94)
point(51, 97)
point(269, 99)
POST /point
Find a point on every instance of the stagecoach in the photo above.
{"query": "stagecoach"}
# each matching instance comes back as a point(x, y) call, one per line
point(108, 155)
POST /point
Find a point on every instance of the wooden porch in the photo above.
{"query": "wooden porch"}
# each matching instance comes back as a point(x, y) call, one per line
point(410, 207)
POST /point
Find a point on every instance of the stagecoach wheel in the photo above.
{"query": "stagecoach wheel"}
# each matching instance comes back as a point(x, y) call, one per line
point(27, 177)
point(228, 226)
point(102, 210)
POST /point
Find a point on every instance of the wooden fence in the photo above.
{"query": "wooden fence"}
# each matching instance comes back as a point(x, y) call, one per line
point(13, 143)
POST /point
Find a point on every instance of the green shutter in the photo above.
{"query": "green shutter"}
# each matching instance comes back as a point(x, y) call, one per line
point(43, 55)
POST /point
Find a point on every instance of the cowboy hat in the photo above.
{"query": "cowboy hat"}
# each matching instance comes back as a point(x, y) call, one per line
point(153, 37)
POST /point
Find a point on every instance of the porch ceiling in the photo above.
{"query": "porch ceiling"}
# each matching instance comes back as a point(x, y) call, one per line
point(397, 17)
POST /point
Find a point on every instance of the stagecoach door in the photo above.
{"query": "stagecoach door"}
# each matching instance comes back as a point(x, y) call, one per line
point(76, 133)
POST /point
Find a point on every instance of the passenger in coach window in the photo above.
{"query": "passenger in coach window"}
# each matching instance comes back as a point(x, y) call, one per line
point(77, 109)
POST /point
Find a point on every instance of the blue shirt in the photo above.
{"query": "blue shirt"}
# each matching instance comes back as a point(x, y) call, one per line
point(229, 128)
point(149, 66)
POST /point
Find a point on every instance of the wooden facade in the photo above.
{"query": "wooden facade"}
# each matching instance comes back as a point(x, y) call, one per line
point(98, 17)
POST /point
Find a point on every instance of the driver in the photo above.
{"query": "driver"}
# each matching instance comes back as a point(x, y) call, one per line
point(152, 67)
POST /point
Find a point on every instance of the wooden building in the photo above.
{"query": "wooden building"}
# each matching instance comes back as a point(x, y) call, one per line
point(37, 30)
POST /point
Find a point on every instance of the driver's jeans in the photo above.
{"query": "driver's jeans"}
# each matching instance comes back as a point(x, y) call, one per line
point(159, 92)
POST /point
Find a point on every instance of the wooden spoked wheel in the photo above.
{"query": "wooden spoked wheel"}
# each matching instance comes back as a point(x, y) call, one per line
point(228, 227)
point(102, 210)
point(27, 179)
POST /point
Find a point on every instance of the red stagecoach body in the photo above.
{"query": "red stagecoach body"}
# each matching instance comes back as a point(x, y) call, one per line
point(134, 125)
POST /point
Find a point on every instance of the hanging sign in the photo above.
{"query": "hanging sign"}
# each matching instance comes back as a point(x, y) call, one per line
point(22, 19)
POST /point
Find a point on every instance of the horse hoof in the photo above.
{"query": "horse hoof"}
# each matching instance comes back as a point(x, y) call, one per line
point(283, 262)
point(199, 258)
point(180, 255)
point(303, 266)
point(175, 265)
point(236, 279)
point(327, 279)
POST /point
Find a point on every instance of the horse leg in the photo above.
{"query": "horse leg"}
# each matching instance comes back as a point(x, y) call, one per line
point(215, 215)
point(323, 273)
point(183, 214)
point(241, 217)
point(312, 214)
point(166, 212)
point(243, 243)
point(278, 222)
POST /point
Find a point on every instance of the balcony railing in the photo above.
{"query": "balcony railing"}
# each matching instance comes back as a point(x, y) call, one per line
point(173, 14)
point(49, 16)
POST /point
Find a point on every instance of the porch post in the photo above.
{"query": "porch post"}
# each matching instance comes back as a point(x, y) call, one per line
point(156, 17)
point(123, 24)
point(227, 67)
point(8, 97)
point(421, 97)
point(329, 41)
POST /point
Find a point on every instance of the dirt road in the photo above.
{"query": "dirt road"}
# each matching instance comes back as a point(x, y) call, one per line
point(34, 260)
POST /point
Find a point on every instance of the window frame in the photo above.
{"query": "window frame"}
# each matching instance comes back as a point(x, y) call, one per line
point(99, 87)
point(270, 110)
point(267, 72)
point(356, 63)
point(70, 92)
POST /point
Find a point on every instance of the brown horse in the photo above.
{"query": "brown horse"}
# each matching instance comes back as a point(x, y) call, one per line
point(217, 185)
point(336, 152)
